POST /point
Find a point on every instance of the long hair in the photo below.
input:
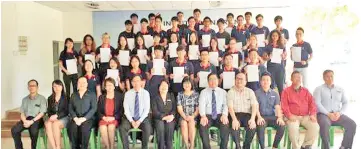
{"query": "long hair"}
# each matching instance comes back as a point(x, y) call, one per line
point(93, 46)
point(210, 43)
point(83, 68)
point(136, 41)
point(130, 62)
point(197, 40)
point(126, 44)
point(57, 82)
point(279, 41)
point(65, 42)
point(116, 61)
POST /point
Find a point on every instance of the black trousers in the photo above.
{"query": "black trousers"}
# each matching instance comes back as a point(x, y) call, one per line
point(243, 119)
point(270, 121)
point(73, 79)
point(224, 131)
point(278, 75)
point(145, 126)
point(33, 130)
point(164, 132)
point(79, 135)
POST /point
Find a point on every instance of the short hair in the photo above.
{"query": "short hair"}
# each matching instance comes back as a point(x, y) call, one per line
point(259, 15)
point(109, 80)
point(159, 47)
point(174, 19)
point(179, 12)
point(156, 34)
point(181, 48)
point(230, 14)
point(211, 74)
point(136, 75)
point(239, 16)
point(159, 17)
point(295, 72)
point(266, 74)
point(327, 71)
point(128, 22)
point(278, 18)
point(143, 20)
point(190, 18)
point(133, 15)
point(151, 15)
point(221, 20)
point(248, 13)
point(33, 80)
point(207, 18)
point(300, 29)
point(106, 34)
point(187, 79)
point(196, 10)
point(252, 50)
point(203, 50)
point(160, 83)
point(227, 54)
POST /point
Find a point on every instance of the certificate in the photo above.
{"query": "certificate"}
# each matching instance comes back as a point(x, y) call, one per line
point(105, 55)
point(136, 28)
point(228, 79)
point(141, 54)
point(203, 78)
point(178, 73)
point(158, 65)
point(173, 50)
point(201, 27)
point(239, 46)
point(124, 58)
point(276, 55)
point(130, 43)
point(260, 40)
point(91, 58)
point(252, 73)
point(71, 66)
point(205, 40)
point(296, 54)
point(113, 73)
point(213, 58)
point(221, 43)
point(229, 30)
point(235, 60)
point(148, 40)
point(193, 52)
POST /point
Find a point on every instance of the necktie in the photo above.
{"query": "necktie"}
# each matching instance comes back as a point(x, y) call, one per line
point(214, 106)
point(136, 108)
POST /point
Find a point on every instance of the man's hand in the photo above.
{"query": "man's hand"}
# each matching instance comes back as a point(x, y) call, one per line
point(235, 124)
point(260, 121)
point(280, 121)
point(292, 118)
point(224, 119)
point(337, 115)
point(252, 124)
point(137, 124)
point(204, 121)
point(313, 118)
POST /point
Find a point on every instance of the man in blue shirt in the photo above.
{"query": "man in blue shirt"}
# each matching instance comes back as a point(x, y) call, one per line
point(249, 25)
point(197, 18)
point(332, 103)
point(206, 30)
point(278, 21)
point(260, 29)
point(240, 32)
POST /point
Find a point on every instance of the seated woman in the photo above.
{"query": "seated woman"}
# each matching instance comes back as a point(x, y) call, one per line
point(164, 110)
point(57, 113)
point(188, 111)
point(109, 111)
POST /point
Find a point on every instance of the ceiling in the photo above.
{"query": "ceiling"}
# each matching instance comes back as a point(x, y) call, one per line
point(79, 6)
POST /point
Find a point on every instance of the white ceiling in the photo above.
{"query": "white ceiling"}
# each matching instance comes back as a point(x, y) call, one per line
point(79, 6)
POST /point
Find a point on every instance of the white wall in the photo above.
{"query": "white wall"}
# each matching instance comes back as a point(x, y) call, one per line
point(77, 24)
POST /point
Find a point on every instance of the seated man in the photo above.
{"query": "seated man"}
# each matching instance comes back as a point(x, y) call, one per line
point(136, 110)
point(332, 103)
point(32, 111)
point(213, 111)
point(300, 108)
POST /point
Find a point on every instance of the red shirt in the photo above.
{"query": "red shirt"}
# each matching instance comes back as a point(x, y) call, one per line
point(299, 103)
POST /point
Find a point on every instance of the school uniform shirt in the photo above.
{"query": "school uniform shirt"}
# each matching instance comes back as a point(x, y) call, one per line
point(177, 31)
point(187, 33)
point(130, 74)
point(242, 100)
point(154, 82)
point(32, 107)
point(163, 35)
point(241, 35)
point(85, 106)
point(256, 85)
point(93, 82)
point(182, 27)
point(147, 32)
point(135, 53)
point(224, 35)
point(205, 101)
point(251, 26)
point(196, 26)
point(188, 69)
point(202, 32)
point(269, 49)
point(264, 30)
point(64, 55)
point(240, 56)
point(161, 109)
point(306, 50)
point(267, 101)
point(284, 33)
point(207, 68)
point(127, 34)
point(129, 104)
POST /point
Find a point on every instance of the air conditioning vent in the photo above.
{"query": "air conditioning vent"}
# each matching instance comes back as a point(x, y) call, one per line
point(92, 5)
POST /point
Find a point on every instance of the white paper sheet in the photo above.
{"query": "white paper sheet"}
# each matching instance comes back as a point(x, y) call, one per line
point(260, 40)
point(136, 28)
point(239, 46)
point(158, 65)
point(105, 55)
point(71, 66)
point(213, 58)
point(228, 79)
point(178, 73)
point(229, 30)
point(148, 40)
point(130, 43)
point(193, 52)
point(203, 78)
point(113, 73)
point(141, 54)
point(205, 40)
point(153, 55)
point(124, 58)
point(235, 60)
point(173, 50)
point(201, 27)
point(276, 55)
point(91, 58)
point(252, 73)
point(296, 53)
point(221, 43)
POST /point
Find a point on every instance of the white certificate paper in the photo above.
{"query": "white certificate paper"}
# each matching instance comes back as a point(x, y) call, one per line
point(213, 58)
point(124, 58)
point(193, 52)
point(252, 73)
point(71, 66)
point(178, 73)
point(260, 40)
point(296, 54)
point(235, 60)
point(205, 40)
point(148, 39)
point(221, 43)
point(105, 55)
point(276, 55)
point(173, 50)
point(239, 46)
point(228, 79)
point(229, 30)
point(203, 78)
point(113, 73)
point(141, 54)
point(130, 43)
point(91, 58)
point(158, 65)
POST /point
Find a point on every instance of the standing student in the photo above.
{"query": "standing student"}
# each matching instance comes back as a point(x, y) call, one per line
point(233, 50)
point(155, 80)
point(115, 65)
point(214, 112)
point(82, 108)
point(227, 67)
point(122, 46)
point(230, 21)
point(88, 48)
point(94, 84)
point(174, 29)
point(136, 109)
point(136, 25)
point(174, 40)
point(240, 32)
point(33, 107)
point(188, 110)
point(144, 28)
point(222, 33)
point(252, 44)
point(110, 109)
point(278, 21)
point(180, 62)
point(103, 66)
point(68, 53)
point(197, 18)
point(134, 70)
point(140, 45)
point(204, 66)
point(206, 30)
point(151, 18)
point(269, 113)
point(181, 24)
point(128, 30)
point(306, 55)
point(164, 110)
point(249, 25)
point(253, 56)
point(193, 41)
point(187, 31)
point(156, 42)
point(158, 30)
point(214, 48)
point(277, 70)
point(260, 29)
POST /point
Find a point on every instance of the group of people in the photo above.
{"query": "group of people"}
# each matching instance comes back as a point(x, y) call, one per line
point(164, 90)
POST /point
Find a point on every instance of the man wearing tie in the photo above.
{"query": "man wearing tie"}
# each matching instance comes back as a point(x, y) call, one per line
point(213, 111)
point(136, 110)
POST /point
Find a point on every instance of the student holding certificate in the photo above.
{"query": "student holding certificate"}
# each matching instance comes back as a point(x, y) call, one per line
point(128, 30)
point(103, 55)
point(222, 34)
point(174, 29)
point(230, 22)
point(135, 70)
point(261, 32)
point(156, 41)
point(115, 71)
point(144, 30)
point(238, 55)
point(68, 65)
point(197, 18)
point(188, 31)
point(123, 54)
point(193, 41)
point(170, 52)
point(94, 84)
point(254, 62)
point(203, 69)
point(278, 21)
point(227, 67)
point(88, 48)
point(252, 44)
point(213, 49)
point(140, 45)
point(249, 25)
point(206, 33)
point(158, 30)
point(240, 32)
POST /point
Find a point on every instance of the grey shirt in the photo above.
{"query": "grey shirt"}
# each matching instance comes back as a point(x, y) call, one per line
point(330, 99)
point(205, 101)
point(32, 107)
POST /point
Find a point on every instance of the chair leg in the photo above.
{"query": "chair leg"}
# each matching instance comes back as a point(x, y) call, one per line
point(92, 139)
point(269, 137)
point(99, 143)
point(134, 138)
point(119, 143)
point(332, 136)
point(155, 140)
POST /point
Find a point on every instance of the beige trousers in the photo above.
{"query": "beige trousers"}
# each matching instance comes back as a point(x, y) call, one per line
point(312, 131)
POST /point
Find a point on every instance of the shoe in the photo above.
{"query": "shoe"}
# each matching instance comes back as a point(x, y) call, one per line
point(214, 137)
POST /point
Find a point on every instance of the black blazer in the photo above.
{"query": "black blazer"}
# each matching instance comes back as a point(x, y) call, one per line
point(62, 107)
point(118, 105)
point(159, 109)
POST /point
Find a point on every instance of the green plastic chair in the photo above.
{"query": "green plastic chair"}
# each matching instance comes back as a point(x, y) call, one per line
point(117, 139)
point(332, 136)
point(176, 144)
point(92, 139)
point(243, 132)
point(41, 137)
point(269, 138)
point(66, 140)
